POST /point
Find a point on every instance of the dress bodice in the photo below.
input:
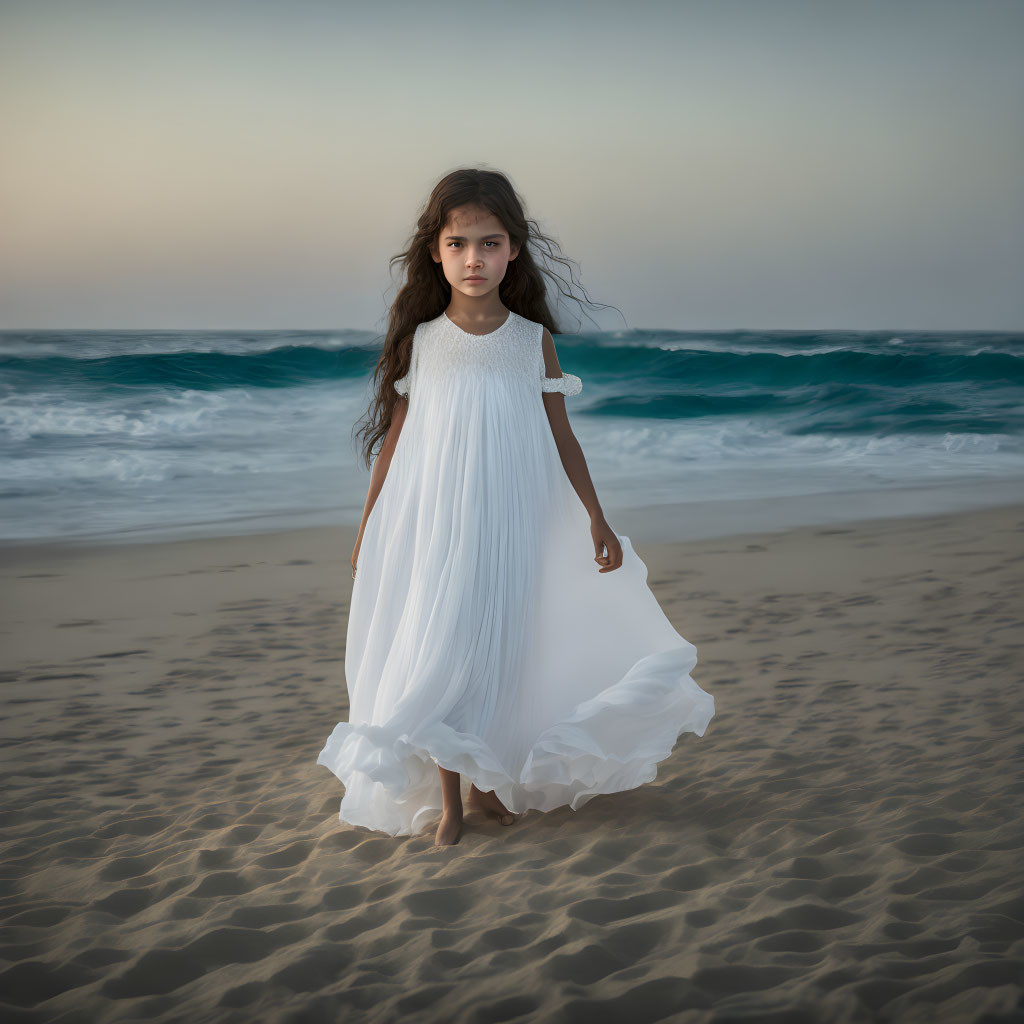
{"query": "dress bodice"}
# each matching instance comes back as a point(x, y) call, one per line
point(441, 349)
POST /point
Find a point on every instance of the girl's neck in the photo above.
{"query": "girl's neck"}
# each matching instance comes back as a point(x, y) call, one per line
point(476, 318)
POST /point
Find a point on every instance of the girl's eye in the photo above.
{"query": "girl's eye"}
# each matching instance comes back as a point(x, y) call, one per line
point(488, 242)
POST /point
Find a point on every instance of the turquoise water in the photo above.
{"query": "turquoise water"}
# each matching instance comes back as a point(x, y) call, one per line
point(129, 433)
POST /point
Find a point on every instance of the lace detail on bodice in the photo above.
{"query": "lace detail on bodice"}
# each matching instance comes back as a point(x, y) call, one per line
point(568, 384)
point(514, 350)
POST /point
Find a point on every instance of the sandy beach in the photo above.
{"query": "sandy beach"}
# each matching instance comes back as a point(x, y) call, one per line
point(844, 844)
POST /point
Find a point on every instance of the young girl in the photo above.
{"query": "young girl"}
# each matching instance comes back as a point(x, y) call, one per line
point(499, 627)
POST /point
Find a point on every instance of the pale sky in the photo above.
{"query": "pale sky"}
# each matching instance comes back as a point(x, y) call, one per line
point(709, 165)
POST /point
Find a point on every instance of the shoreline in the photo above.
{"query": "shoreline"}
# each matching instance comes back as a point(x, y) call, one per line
point(667, 522)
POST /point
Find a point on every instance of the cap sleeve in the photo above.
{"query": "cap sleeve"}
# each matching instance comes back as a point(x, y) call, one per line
point(568, 384)
point(404, 384)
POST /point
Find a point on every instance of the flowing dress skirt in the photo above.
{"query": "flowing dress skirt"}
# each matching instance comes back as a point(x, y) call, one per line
point(481, 636)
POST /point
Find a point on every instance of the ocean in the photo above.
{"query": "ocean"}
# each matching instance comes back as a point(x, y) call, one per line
point(116, 436)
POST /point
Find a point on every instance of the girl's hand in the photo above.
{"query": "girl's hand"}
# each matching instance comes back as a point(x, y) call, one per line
point(604, 537)
point(355, 556)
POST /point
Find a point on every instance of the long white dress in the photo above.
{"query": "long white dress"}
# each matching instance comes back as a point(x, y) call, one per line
point(481, 636)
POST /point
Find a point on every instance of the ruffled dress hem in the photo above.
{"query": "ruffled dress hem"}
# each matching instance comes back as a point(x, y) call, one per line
point(592, 751)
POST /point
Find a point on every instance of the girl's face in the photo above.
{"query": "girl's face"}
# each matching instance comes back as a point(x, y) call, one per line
point(474, 251)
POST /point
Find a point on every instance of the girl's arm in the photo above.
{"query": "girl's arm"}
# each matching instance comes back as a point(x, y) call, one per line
point(575, 464)
point(380, 468)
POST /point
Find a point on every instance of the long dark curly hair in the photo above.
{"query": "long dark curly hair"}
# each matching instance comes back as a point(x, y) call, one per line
point(426, 293)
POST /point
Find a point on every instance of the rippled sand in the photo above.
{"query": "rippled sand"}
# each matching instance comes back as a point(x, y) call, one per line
point(844, 844)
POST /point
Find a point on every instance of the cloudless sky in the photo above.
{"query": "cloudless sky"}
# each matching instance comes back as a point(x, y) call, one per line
point(720, 164)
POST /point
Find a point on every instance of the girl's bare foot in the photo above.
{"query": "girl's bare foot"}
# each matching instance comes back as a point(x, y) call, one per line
point(450, 829)
point(490, 805)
